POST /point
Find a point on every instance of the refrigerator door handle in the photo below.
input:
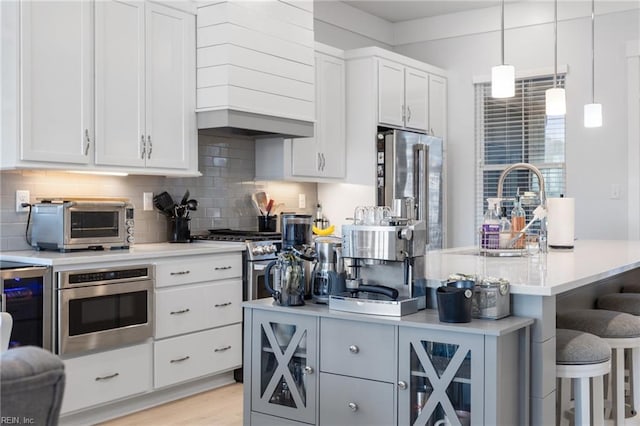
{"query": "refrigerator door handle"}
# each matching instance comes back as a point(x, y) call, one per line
point(421, 181)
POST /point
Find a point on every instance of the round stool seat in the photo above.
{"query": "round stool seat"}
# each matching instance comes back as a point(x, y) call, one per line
point(622, 302)
point(579, 348)
point(631, 288)
point(603, 323)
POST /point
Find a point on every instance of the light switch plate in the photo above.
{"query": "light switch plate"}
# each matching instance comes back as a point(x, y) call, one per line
point(302, 201)
point(22, 196)
point(147, 201)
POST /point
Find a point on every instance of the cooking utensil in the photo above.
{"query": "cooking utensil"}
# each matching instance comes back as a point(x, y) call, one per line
point(192, 204)
point(164, 202)
point(261, 199)
point(185, 198)
point(269, 207)
point(254, 198)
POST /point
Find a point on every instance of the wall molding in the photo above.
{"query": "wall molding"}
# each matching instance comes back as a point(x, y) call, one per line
point(355, 20)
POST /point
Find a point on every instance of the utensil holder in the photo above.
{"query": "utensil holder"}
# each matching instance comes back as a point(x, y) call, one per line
point(180, 230)
point(267, 223)
point(455, 301)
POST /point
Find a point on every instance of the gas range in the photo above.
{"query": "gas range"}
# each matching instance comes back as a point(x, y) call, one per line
point(260, 245)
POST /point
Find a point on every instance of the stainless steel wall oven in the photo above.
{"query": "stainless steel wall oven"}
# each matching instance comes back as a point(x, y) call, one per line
point(104, 308)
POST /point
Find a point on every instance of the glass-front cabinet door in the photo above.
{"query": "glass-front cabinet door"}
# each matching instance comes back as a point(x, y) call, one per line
point(284, 365)
point(440, 378)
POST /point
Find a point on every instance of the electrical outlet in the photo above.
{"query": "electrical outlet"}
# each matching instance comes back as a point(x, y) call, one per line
point(147, 201)
point(615, 191)
point(302, 201)
point(22, 196)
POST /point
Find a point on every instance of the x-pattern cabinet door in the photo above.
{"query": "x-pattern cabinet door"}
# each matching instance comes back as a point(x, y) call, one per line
point(440, 377)
point(284, 365)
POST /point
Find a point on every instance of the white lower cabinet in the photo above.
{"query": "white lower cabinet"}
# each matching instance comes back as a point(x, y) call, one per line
point(107, 376)
point(197, 354)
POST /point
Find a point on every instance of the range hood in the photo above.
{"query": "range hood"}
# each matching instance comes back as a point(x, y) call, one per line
point(240, 123)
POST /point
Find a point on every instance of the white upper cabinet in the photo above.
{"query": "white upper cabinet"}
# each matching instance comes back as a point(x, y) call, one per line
point(403, 96)
point(438, 106)
point(98, 86)
point(321, 157)
point(144, 85)
point(57, 90)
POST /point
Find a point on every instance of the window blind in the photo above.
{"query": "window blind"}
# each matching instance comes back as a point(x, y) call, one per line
point(516, 130)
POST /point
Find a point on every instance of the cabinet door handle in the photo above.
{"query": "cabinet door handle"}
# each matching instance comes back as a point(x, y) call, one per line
point(408, 113)
point(402, 384)
point(222, 305)
point(150, 146)
point(319, 166)
point(324, 162)
point(181, 311)
point(308, 369)
point(354, 349)
point(353, 406)
point(222, 268)
point(180, 272)
point(88, 140)
point(144, 147)
point(403, 116)
point(110, 376)
point(173, 361)
point(226, 348)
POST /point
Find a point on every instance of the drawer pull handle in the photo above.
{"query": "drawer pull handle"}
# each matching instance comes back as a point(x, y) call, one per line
point(173, 361)
point(354, 349)
point(111, 376)
point(180, 273)
point(308, 369)
point(402, 384)
point(222, 305)
point(353, 406)
point(221, 268)
point(226, 348)
point(181, 311)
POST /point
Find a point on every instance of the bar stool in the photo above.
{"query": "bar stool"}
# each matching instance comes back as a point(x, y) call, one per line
point(581, 357)
point(621, 331)
point(628, 303)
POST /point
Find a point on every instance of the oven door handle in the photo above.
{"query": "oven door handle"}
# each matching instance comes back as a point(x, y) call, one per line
point(260, 266)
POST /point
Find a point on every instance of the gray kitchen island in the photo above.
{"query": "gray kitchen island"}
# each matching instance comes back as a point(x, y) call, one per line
point(312, 365)
point(542, 285)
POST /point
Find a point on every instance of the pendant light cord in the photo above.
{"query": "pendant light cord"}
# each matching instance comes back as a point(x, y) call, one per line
point(593, 54)
point(555, 44)
point(502, 33)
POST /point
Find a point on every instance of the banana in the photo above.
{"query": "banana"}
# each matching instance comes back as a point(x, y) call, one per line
point(323, 232)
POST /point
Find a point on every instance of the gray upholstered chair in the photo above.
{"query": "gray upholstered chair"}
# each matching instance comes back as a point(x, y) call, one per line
point(31, 385)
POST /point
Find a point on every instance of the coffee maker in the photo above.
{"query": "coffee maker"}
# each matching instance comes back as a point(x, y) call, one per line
point(385, 260)
point(328, 276)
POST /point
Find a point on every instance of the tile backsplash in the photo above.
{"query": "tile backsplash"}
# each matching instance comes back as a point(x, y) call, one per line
point(223, 192)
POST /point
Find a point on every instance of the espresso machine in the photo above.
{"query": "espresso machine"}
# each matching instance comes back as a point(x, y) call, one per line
point(385, 261)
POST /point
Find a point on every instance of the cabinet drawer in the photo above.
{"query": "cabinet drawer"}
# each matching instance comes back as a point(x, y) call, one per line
point(358, 349)
point(198, 269)
point(189, 308)
point(351, 401)
point(259, 419)
point(106, 376)
point(198, 354)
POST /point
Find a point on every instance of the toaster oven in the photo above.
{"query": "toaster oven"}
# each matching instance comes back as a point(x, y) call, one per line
point(82, 225)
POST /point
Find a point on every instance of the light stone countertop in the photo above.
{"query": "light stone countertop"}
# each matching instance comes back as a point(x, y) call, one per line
point(542, 274)
point(136, 253)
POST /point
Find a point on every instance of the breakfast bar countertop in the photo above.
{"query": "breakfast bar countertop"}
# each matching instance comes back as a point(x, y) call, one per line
point(541, 274)
point(137, 252)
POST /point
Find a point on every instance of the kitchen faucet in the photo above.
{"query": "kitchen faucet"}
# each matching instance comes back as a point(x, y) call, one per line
point(542, 241)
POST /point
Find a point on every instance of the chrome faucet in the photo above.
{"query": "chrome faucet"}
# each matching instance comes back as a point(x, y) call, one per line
point(543, 196)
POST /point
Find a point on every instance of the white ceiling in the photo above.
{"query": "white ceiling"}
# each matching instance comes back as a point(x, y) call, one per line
point(404, 10)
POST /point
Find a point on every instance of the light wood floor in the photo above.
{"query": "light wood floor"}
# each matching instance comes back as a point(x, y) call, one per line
point(219, 407)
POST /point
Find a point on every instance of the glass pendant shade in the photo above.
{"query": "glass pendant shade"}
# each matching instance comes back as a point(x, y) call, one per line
point(503, 81)
point(593, 115)
point(555, 103)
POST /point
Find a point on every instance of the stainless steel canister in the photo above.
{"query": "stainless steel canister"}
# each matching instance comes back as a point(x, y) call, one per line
point(491, 299)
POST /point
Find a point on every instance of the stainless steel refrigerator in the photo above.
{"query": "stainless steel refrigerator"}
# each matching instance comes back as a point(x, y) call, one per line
point(409, 165)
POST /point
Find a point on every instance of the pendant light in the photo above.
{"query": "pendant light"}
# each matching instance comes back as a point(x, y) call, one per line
point(555, 102)
point(593, 111)
point(503, 77)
